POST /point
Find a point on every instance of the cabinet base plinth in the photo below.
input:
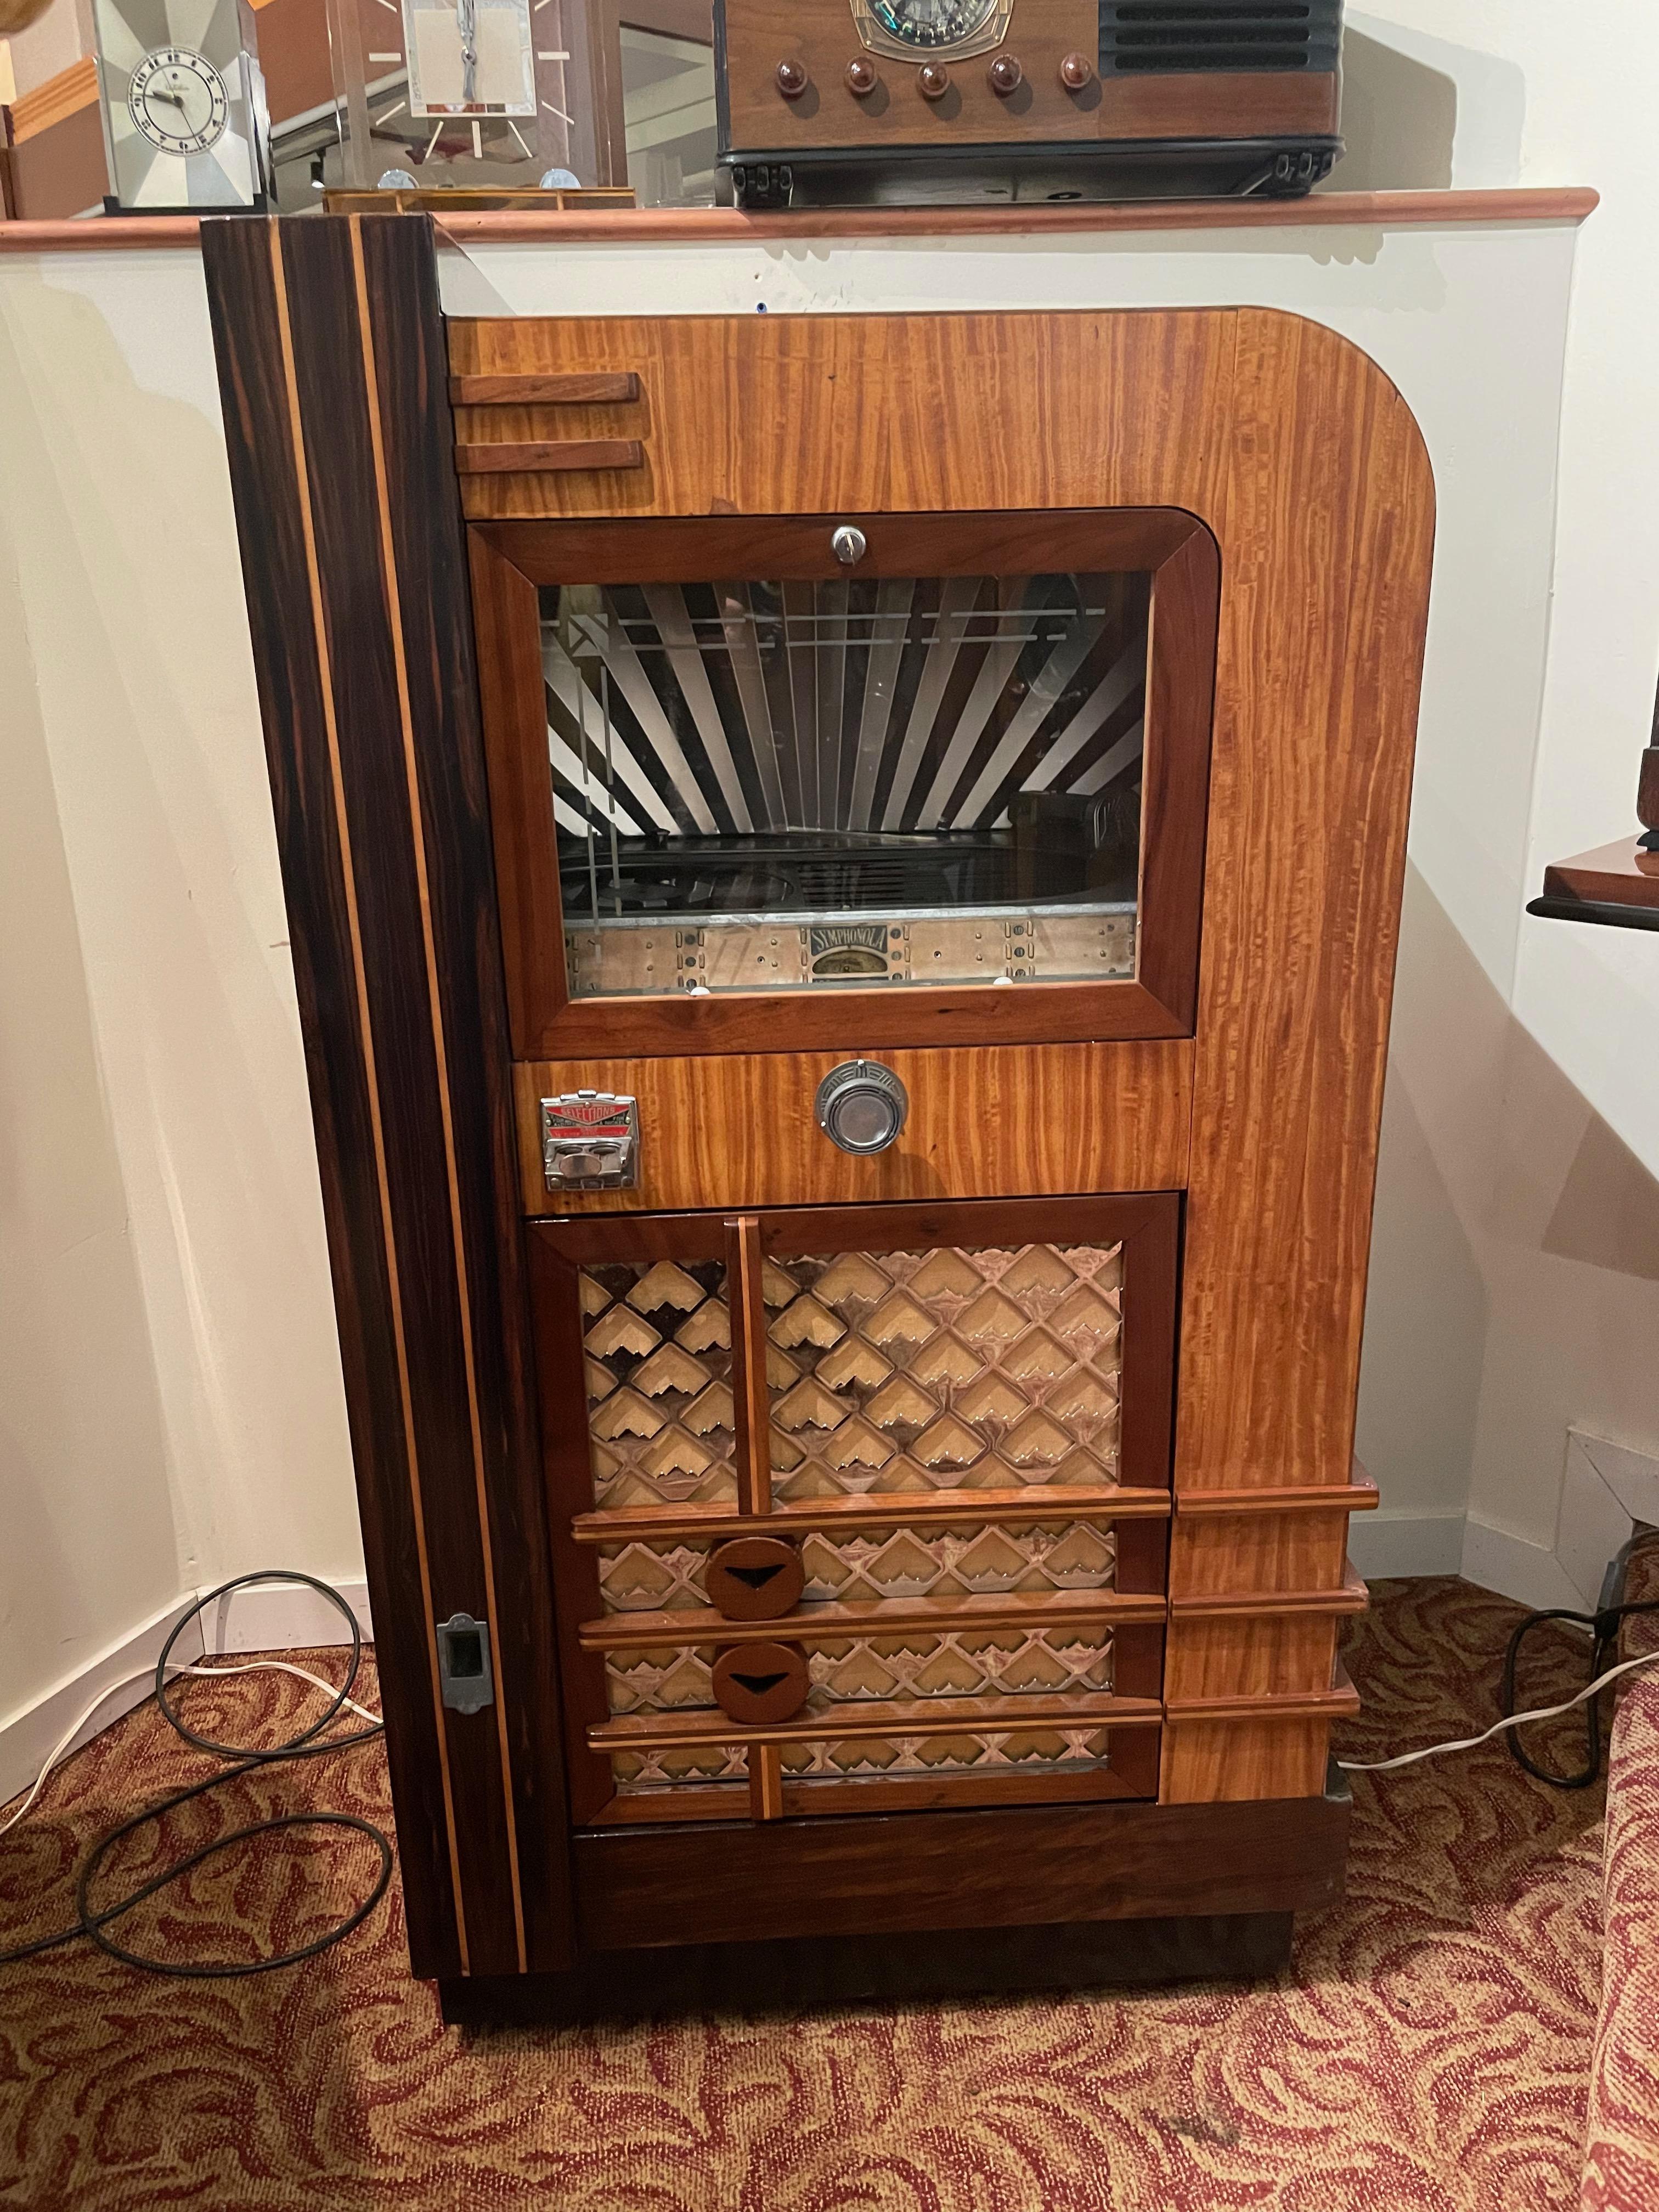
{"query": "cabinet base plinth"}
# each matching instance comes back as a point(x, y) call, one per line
point(851, 1970)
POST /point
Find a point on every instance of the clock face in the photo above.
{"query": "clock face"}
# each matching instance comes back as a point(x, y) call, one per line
point(178, 101)
point(183, 103)
point(930, 26)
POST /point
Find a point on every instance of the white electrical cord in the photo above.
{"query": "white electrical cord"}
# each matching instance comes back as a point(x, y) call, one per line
point(1511, 1720)
point(76, 1726)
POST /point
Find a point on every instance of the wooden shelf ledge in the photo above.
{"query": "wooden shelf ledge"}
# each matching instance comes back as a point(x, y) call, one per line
point(914, 1717)
point(729, 226)
point(891, 1509)
point(1567, 204)
point(830, 1622)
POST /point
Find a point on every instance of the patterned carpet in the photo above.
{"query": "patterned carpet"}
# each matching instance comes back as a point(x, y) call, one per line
point(1430, 2051)
point(1621, 2163)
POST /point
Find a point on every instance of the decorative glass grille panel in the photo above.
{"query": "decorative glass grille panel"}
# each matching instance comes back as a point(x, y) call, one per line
point(953, 1369)
point(657, 1340)
point(964, 1662)
point(920, 1562)
point(931, 780)
point(1045, 1750)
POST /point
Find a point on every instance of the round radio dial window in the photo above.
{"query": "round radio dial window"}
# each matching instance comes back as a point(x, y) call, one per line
point(931, 25)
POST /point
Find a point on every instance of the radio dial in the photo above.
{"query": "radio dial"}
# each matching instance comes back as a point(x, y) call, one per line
point(861, 78)
point(791, 80)
point(1076, 72)
point(932, 80)
point(1005, 74)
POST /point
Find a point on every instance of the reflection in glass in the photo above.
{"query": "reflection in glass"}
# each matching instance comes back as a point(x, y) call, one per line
point(904, 780)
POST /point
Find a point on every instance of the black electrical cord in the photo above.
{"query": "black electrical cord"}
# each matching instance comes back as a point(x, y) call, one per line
point(1604, 1629)
point(92, 1924)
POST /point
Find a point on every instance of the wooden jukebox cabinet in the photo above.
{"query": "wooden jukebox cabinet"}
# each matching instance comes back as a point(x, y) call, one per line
point(844, 874)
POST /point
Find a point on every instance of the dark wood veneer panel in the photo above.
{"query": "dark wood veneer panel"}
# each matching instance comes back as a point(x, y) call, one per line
point(242, 306)
point(1011, 1865)
point(346, 507)
point(429, 549)
point(396, 943)
point(752, 1977)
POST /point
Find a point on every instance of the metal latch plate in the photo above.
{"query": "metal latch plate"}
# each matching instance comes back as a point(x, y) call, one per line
point(591, 1141)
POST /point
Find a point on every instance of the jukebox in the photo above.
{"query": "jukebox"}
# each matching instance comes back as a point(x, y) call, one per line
point(845, 872)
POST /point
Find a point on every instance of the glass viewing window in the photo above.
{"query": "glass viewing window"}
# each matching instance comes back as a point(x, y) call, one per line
point(931, 780)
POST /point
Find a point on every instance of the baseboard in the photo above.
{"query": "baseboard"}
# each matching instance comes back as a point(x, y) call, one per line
point(273, 1617)
point(1384, 1544)
point(284, 1617)
point(120, 1677)
point(1497, 1559)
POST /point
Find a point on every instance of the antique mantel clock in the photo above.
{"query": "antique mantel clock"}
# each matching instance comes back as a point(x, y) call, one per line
point(182, 104)
point(845, 955)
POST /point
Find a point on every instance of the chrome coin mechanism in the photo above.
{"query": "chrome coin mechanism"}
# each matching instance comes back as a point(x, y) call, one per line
point(862, 1106)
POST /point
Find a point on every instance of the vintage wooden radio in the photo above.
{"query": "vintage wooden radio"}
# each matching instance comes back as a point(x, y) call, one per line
point(845, 953)
point(847, 102)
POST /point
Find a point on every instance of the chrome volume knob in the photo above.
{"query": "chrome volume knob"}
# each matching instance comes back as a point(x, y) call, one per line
point(862, 1106)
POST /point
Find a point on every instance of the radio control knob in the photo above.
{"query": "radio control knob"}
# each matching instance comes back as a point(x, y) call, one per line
point(862, 1106)
point(791, 80)
point(932, 80)
point(1076, 72)
point(861, 76)
point(1005, 74)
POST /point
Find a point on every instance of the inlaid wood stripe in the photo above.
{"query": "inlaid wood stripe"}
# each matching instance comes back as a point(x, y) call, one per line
point(539, 455)
point(766, 1782)
point(366, 1031)
point(394, 614)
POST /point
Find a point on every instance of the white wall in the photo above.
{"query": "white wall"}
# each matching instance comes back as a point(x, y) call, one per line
point(87, 1542)
point(1522, 1211)
point(172, 1384)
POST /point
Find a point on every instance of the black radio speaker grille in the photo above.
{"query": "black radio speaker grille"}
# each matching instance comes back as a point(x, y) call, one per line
point(1149, 37)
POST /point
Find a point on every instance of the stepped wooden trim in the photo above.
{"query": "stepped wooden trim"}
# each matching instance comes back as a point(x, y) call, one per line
point(1354, 1596)
point(913, 1716)
point(1331, 1498)
point(58, 97)
point(608, 389)
point(538, 456)
point(830, 1622)
point(893, 1508)
point(1341, 1700)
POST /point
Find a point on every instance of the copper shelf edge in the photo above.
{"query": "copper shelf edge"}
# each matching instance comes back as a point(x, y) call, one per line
point(727, 226)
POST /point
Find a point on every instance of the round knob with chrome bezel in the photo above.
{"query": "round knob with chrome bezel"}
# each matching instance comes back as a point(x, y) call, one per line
point(862, 1106)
